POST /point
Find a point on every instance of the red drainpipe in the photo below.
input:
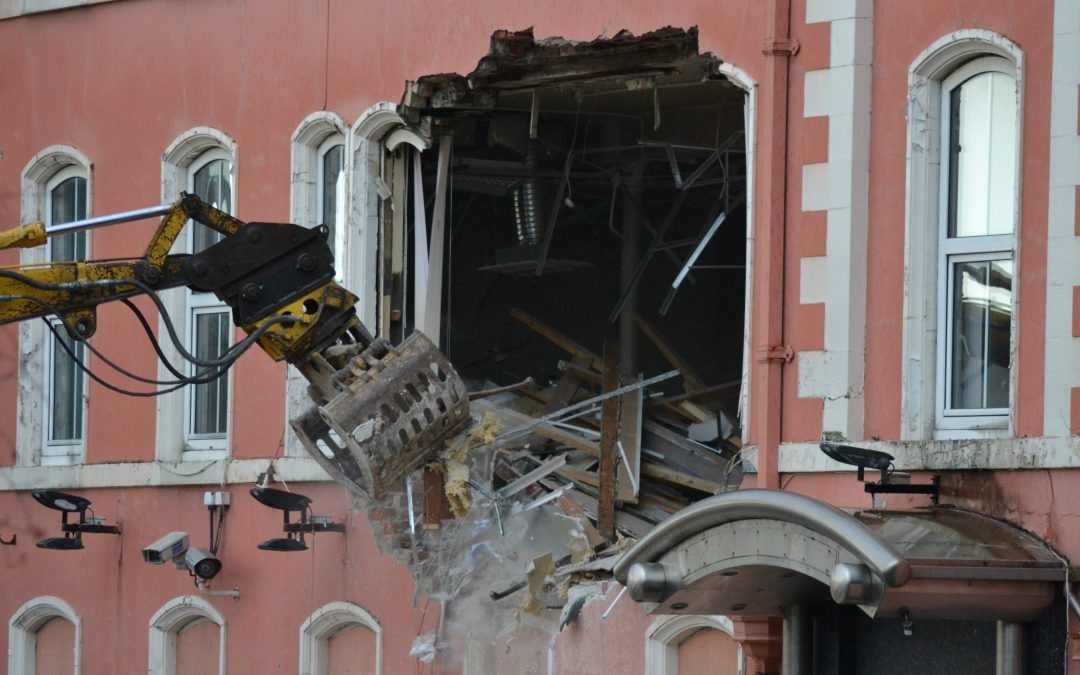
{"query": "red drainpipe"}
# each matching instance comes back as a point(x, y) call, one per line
point(768, 326)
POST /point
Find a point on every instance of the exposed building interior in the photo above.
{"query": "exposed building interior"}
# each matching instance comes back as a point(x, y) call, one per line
point(588, 200)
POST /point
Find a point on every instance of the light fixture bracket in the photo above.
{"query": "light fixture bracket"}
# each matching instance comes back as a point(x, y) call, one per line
point(291, 502)
point(67, 503)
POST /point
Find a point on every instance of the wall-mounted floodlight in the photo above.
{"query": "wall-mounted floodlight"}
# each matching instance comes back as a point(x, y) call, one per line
point(73, 532)
point(891, 482)
point(288, 502)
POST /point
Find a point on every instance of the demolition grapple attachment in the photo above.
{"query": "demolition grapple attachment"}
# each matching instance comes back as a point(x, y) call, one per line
point(397, 410)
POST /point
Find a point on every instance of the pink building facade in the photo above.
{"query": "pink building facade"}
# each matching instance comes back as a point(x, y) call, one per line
point(907, 228)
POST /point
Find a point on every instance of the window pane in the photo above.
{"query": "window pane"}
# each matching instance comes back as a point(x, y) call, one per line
point(67, 202)
point(211, 400)
point(981, 309)
point(67, 389)
point(332, 190)
point(212, 184)
point(982, 139)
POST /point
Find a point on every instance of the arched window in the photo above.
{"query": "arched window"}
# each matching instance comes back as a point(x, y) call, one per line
point(962, 221)
point(975, 241)
point(371, 192)
point(331, 192)
point(56, 188)
point(44, 635)
point(702, 642)
point(187, 635)
point(340, 638)
point(209, 320)
point(320, 196)
point(320, 180)
point(194, 424)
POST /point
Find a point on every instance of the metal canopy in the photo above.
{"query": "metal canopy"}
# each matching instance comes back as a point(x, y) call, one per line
point(754, 552)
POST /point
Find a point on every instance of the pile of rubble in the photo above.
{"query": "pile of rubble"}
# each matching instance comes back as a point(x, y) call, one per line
point(553, 482)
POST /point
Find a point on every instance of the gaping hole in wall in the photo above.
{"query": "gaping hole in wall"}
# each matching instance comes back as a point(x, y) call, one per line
point(565, 221)
point(619, 189)
point(602, 194)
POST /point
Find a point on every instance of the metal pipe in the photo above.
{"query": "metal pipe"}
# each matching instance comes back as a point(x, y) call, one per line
point(1072, 600)
point(770, 229)
point(798, 652)
point(564, 413)
point(1010, 657)
point(111, 219)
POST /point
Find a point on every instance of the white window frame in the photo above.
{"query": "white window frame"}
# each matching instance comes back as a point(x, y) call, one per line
point(665, 634)
point(953, 250)
point(178, 162)
point(166, 624)
point(205, 446)
point(338, 235)
point(924, 292)
point(62, 452)
point(23, 628)
point(312, 137)
point(33, 343)
point(326, 622)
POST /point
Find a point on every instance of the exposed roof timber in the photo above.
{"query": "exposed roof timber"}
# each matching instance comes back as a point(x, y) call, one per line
point(517, 60)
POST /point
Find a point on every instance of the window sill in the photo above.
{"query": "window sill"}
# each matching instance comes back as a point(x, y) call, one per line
point(197, 454)
point(158, 474)
point(965, 454)
point(995, 430)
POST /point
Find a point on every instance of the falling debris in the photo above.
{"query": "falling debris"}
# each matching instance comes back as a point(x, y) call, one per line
point(536, 577)
point(457, 488)
point(423, 647)
point(487, 431)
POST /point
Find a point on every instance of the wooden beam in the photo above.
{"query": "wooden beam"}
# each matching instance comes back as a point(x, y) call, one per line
point(584, 477)
point(557, 434)
point(581, 372)
point(706, 395)
point(690, 377)
point(632, 523)
point(676, 477)
point(436, 506)
point(561, 396)
point(630, 418)
point(572, 508)
point(681, 453)
point(609, 433)
point(662, 502)
point(555, 337)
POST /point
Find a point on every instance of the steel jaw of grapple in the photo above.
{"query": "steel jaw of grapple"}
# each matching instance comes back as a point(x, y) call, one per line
point(397, 412)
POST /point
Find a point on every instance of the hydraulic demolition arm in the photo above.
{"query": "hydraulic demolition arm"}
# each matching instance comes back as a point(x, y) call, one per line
point(380, 411)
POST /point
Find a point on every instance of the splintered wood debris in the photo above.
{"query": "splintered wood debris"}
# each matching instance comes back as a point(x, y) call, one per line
point(549, 456)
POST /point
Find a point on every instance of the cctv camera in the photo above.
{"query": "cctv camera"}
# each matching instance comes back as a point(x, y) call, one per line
point(167, 548)
point(202, 563)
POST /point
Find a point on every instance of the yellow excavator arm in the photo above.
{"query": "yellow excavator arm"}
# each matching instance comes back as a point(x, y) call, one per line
point(380, 411)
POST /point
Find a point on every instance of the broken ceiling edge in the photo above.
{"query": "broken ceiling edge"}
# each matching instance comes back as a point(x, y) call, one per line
point(517, 60)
